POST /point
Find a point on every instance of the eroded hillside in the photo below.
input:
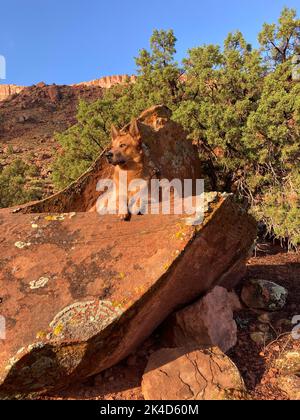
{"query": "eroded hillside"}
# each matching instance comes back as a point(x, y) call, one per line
point(30, 117)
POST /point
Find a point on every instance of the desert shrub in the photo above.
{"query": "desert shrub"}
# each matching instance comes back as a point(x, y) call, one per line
point(279, 210)
point(16, 186)
point(10, 150)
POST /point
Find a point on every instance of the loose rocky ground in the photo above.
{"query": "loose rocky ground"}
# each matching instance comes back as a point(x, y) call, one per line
point(256, 362)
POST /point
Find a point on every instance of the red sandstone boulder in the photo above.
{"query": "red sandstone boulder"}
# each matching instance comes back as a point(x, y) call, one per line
point(79, 293)
point(182, 374)
point(208, 322)
point(235, 302)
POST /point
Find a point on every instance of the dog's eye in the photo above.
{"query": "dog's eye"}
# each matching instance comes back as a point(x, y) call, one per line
point(122, 145)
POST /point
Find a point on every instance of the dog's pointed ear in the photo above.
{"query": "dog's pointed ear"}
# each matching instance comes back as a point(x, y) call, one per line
point(114, 132)
point(134, 129)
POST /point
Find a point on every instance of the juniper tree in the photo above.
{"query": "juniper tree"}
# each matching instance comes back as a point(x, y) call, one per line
point(160, 75)
point(223, 88)
point(272, 142)
point(83, 142)
point(279, 41)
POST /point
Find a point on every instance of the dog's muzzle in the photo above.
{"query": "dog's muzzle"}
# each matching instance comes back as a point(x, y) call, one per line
point(109, 156)
point(113, 160)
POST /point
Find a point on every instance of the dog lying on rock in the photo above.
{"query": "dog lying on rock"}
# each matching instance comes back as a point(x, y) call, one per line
point(127, 156)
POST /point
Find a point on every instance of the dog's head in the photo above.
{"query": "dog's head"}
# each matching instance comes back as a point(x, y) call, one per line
point(126, 147)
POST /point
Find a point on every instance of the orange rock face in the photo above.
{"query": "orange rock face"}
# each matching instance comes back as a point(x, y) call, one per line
point(8, 90)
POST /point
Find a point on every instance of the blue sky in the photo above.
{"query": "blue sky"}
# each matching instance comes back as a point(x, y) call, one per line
point(69, 41)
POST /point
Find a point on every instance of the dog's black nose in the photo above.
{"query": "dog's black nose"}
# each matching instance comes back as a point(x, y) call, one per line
point(109, 155)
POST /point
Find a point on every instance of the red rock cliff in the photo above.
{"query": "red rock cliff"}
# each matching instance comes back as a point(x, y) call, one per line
point(8, 90)
point(104, 82)
point(109, 81)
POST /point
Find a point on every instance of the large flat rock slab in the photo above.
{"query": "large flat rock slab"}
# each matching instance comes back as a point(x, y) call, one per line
point(80, 292)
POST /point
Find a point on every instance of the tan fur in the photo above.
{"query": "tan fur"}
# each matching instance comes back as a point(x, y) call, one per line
point(127, 156)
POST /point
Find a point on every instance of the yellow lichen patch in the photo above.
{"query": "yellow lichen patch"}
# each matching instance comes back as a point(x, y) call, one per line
point(182, 232)
point(180, 235)
point(59, 218)
point(139, 290)
point(58, 329)
point(123, 303)
point(41, 335)
point(166, 266)
point(181, 225)
point(117, 305)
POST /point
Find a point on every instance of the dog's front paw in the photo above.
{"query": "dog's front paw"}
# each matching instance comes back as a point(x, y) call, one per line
point(124, 217)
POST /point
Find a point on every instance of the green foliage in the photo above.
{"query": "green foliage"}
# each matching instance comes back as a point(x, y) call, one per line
point(159, 80)
point(223, 88)
point(16, 185)
point(239, 105)
point(83, 142)
point(271, 136)
point(279, 209)
point(272, 142)
point(279, 42)
point(10, 150)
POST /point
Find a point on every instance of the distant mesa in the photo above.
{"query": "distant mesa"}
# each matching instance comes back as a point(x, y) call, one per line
point(104, 82)
point(109, 81)
point(8, 90)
